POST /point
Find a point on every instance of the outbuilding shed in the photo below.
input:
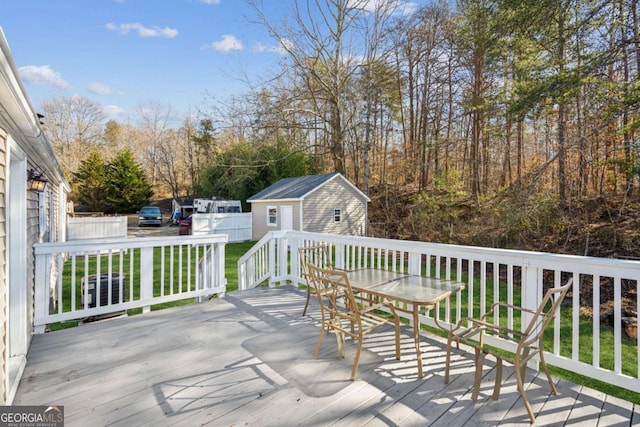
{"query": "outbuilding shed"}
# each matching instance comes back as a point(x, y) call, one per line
point(327, 203)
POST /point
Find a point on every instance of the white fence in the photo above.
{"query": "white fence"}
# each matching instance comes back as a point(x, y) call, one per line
point(85, 278)
point(236, 225)
point(104, 227)
point(588, 347)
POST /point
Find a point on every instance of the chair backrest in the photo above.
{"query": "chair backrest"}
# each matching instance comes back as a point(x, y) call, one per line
point(334, 292)
point(318, 255)
point(546, 311)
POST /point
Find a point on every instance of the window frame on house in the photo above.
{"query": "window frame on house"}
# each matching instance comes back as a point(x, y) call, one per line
point(337, 215)
point(272, 219)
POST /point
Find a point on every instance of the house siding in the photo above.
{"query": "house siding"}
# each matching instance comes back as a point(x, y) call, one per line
point(35, 234)
point(4, 291)
point(23, 146)
point(319, 209)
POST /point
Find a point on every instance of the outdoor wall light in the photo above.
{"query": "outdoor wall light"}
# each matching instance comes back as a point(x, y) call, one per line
point(37, 181)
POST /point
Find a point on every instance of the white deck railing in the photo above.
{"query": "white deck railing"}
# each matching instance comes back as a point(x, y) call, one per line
point(133, 273)
point(490, 275)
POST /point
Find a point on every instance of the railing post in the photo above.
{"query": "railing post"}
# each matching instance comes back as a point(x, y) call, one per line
point(283, 259)
point(220, 277)
point(414, 263)
point(272, 261)
point(146, 276)
point(531, 298)
point(295, 259)
point(242, 271)
point(42, 292)
point(531, 292)
point(339, 255)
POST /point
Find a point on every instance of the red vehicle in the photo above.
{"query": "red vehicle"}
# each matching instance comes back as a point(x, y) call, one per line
point(184, 226)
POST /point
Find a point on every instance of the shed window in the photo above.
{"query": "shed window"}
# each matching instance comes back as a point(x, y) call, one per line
point(337, 215)
point(272, 216)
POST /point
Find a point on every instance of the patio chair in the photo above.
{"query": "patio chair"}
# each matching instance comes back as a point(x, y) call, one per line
point(528, 342)
point(345, 316)
point(317, 255)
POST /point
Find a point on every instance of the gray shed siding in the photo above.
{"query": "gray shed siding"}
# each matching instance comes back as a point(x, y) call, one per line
point(319, 210)
point(259, 216)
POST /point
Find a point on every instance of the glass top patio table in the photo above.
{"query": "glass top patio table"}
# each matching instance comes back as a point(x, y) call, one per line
point(413, 290)
point(418, 290)
point(370, 277)
point(403, 287)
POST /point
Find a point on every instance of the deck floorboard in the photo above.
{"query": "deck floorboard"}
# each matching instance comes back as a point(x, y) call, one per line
point(247, 360)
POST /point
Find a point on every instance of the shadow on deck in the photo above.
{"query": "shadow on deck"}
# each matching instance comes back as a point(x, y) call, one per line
point(248, 360)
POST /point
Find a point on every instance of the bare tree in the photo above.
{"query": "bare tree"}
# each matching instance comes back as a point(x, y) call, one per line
point(154, 126)
point(74, 125)
point(319, 41)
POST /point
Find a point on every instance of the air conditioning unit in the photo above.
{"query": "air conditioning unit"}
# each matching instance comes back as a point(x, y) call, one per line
point(117, 281)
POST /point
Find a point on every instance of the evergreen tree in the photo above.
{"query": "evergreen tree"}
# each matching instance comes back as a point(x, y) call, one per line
point(127, 186)
point(91, 182)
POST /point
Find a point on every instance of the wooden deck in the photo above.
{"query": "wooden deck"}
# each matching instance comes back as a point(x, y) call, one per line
point(247, 360)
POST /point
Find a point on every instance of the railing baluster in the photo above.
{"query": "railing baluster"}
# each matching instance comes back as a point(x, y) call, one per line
point(596, 321)
point(617, 325)
point(575, 344)
point(73, 282)
point(60, 296)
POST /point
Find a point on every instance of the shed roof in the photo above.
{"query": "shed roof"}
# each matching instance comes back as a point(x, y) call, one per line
point(297, 188)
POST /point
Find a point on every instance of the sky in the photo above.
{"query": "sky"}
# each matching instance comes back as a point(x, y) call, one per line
point(124, 54)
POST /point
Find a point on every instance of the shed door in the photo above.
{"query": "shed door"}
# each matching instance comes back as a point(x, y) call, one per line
point(287, 218)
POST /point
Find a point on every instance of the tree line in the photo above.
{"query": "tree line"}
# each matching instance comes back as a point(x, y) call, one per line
point(487, 97)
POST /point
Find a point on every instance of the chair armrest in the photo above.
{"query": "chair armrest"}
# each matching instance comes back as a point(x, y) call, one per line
point(486, 326)
point(505, 305)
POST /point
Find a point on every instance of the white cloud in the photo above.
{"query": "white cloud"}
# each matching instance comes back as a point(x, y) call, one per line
point(41, 75)
point(210, 1)
point(142, 31)
point(227, 43)
point(102, 89)
point(259, 48)
point(402, 7)
point(113, 110)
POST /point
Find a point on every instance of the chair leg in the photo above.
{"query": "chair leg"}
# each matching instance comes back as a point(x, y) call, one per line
point(525, 356)
point(357, 358)
point(520, 377)
point(319, 343)
point(476, 385)
point(306, 304)
point(447, 362)
point(546, 371)
point(397, 327)
point(498, 384)
point(340, 340)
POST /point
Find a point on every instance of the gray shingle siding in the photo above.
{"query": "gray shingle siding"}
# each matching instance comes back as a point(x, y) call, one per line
point(319, 210)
